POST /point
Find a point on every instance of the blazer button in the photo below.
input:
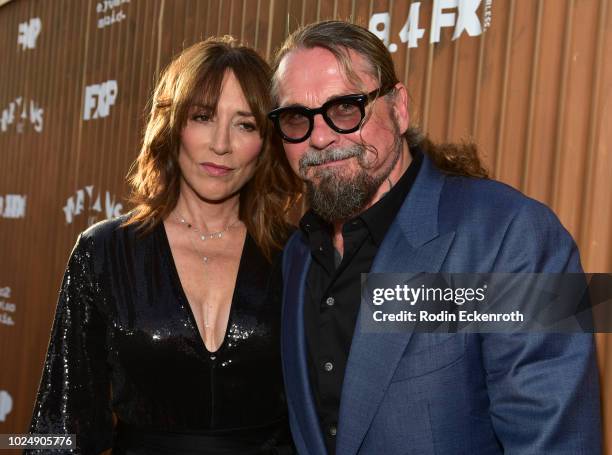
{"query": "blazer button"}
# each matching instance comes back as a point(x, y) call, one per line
point(328, 366)
point(330, 301)
point(333, 430)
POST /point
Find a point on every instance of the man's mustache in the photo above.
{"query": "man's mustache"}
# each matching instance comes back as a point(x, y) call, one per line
point(314, 157)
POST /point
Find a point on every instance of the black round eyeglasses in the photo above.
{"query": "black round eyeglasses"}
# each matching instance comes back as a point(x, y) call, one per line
point(344, 114)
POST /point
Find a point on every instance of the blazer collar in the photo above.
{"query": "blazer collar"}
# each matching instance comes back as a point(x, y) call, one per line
point(413, 244)
point(302, 411)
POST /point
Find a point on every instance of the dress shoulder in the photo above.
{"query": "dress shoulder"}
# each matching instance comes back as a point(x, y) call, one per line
point(114, 233)
point(105, 229)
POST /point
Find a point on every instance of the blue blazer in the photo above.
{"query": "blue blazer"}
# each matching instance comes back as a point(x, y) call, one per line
point(414, 393)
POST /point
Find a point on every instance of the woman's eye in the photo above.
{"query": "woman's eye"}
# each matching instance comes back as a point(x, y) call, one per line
point(247, 126)
point(201, 117)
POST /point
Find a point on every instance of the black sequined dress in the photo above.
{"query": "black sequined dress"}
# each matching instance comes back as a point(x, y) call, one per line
point(125, 341)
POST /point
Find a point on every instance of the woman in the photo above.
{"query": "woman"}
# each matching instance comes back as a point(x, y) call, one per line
point(169, 317)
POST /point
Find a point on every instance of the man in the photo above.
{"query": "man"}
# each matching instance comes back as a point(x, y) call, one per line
point(383, 199)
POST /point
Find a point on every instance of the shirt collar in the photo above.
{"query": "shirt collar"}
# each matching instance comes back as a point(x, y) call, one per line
point(379, 217)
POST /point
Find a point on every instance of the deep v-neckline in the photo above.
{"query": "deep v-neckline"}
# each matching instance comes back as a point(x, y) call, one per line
point(187, 305)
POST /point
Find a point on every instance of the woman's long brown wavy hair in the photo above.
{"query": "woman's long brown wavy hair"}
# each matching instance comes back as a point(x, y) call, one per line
point(196, 76)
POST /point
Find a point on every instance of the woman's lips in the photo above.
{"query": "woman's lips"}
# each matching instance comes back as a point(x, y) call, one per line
point(215, 170)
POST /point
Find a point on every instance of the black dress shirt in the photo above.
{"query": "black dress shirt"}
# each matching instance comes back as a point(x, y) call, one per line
point(333, 293)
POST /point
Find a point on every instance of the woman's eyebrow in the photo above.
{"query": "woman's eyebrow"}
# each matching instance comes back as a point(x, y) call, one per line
point(201, 106)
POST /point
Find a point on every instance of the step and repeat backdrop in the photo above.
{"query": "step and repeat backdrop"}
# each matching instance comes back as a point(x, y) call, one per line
point(528, 80)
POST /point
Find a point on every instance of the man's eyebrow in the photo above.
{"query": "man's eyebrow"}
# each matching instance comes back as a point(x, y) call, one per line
point(340, 95)
point(329, 98)
point(291, 105)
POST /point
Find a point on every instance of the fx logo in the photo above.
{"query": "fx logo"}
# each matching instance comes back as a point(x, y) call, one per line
point(28, 32)
point(98, 99)
point(6, 404)
point(464, 20)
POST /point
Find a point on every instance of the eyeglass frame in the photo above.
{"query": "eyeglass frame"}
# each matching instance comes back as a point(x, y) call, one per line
point(361, 99)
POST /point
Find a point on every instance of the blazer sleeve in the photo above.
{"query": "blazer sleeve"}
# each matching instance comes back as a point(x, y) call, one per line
point(74, 393)
point(543, 388)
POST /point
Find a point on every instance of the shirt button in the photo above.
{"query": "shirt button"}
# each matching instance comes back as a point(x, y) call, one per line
point(333, 430)
point(328, 366)
point(321, 248)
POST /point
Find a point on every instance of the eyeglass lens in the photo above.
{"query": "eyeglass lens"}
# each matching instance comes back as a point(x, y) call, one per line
point(343, 114)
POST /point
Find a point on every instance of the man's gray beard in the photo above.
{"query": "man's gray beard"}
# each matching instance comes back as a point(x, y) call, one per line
point(335, 197)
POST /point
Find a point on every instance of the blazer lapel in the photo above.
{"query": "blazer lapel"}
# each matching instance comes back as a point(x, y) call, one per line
point(412, 245)
point(296, 263)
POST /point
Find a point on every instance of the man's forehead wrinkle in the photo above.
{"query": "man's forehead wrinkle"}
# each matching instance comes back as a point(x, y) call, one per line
point(338, 79)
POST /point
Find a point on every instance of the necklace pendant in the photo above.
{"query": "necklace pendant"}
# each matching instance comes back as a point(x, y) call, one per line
point(205, 259)
point(203, 237)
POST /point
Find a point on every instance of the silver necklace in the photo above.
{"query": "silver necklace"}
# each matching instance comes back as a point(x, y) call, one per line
point(203, 235)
